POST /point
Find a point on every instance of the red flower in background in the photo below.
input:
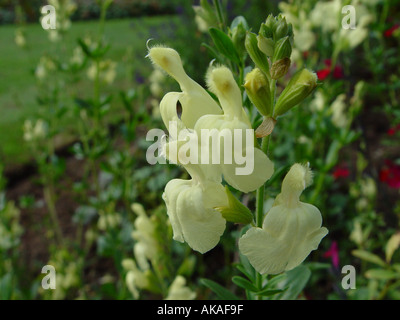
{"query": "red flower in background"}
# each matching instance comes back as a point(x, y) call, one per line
point(390, 174)
point(388, 33)
point(340, 172)
point(333, 253)
point(393, 130)
point(324, 73)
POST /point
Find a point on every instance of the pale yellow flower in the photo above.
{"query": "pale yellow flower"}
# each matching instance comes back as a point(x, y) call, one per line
point(179, 291)
point(135, 278)
point(20, 40)
point(220, 81)
point(194, 99)
point(106, 69)
point(338, 110)
point(290, 231)
point(35, 131)
point(190, 207)
point(144, 234)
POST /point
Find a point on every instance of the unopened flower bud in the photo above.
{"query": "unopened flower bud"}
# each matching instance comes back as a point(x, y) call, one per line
point(258, 90)
point(267, 28)
point(299, 87)
point(266, 45)
point(257, 55)
point(282, 49)
point(281, 28)
point(238, 37)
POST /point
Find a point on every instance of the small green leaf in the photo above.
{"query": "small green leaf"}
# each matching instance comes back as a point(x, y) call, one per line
point(258, 57)
point(275, 281)
point(392, 245)
point(244, 283)
point(220, 291)
point(269, 292)
point(396, 266)
point(243, 270)
point(213, 52)
point(296, 280)
point(368, 256)
point(332, 154)
point(381, 274)
point(224, 45)
point(236, 212)
point(239, 20)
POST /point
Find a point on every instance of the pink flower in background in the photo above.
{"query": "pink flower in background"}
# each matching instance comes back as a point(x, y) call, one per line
point(333, 253)
point(390, 174)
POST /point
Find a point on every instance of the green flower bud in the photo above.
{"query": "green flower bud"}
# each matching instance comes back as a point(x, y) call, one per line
point(255, 53)
point(238, 37)
point(280, 68)
point(258, 90)
point(266, 45)
point(270, 24)
point(281, 27)
point(299, 87)
point(282, 49)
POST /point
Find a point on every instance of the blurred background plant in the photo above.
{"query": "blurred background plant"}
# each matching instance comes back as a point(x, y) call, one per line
point(77, 105)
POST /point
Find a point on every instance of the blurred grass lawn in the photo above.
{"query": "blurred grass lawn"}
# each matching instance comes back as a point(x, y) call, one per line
point(18, 84)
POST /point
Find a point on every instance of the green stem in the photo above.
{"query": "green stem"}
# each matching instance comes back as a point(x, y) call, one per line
point(261, 190)
point(220, 15)
point(48, 195)
point(318, 187)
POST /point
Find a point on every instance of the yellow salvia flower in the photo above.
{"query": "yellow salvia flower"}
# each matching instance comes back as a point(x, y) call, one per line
point(190, 208)
point(290, 231)
point(221, 81)
point(194, 99)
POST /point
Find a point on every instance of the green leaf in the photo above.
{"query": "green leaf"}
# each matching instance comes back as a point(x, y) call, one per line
point(332, 154)
point(269, 292)
point(243, 270)
point(246, 266)
point(368, 256)
point(220, 291)
point(295, 282)
point(239, 20)
point(224, 45)
point(213, 52)
point(244, 283)
point(258, 57)
point(381, 274)
point(318, 265)
point(236, 212)
point(275, 281)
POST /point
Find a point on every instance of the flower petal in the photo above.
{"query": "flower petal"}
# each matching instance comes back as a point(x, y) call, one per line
point(201, 227)
point(260, 168)
point(286, 239)
point(170, 196)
